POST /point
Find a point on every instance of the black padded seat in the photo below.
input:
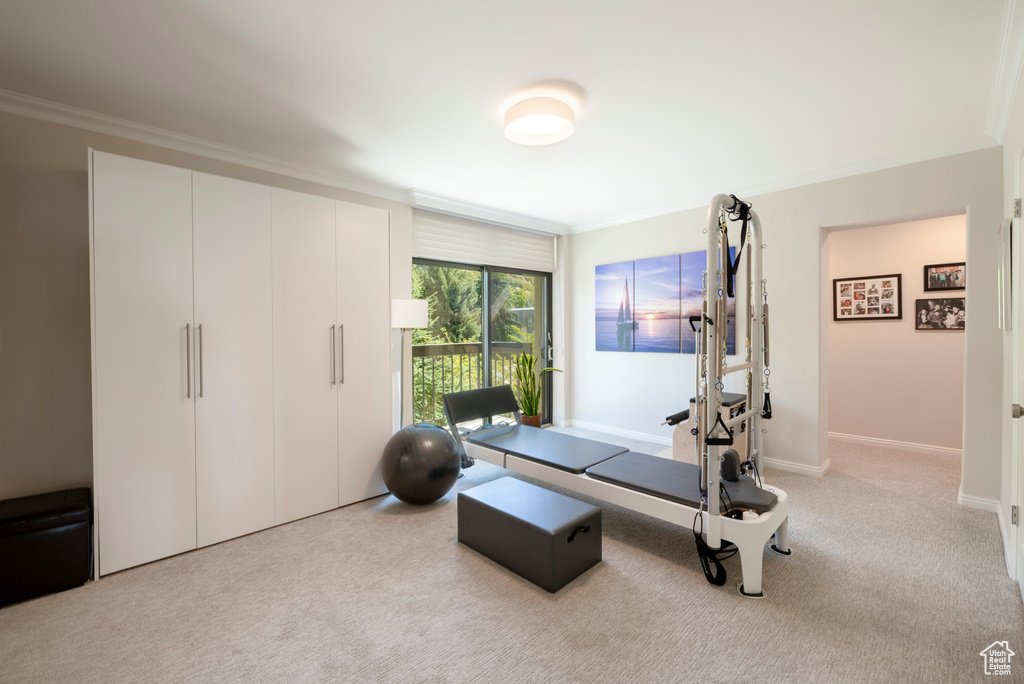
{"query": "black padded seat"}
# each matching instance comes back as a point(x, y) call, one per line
point(677, 481)
point(565, 452)
point(45, 544)
point(728, 399)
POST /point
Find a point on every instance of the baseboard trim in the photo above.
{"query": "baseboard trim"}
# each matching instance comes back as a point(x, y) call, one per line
point(619, 432)
point(801, 468)
point(894, 444)
point(990, 505)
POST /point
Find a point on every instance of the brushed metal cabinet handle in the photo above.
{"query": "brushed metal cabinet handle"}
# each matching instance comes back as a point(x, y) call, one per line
point(333, 358)
point(188, 361)
point(341, 353)
point(199, 331)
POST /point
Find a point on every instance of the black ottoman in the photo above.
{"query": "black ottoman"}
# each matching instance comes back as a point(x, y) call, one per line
point(538, 534)
point(45, 544)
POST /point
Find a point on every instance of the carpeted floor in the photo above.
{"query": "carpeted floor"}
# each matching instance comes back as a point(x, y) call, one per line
point(890, 581)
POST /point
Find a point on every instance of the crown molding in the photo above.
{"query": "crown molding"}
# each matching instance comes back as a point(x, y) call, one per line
point(633, 217)
point(946, 149)
point(45, 110)
point(440, 204)
point(1008, 71)
point(54, 112)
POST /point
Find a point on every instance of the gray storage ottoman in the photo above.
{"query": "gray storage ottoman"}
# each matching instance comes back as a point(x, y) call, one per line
point(543, 536)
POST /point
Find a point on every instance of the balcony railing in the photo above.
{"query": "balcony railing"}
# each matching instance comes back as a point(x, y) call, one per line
point(441, 368)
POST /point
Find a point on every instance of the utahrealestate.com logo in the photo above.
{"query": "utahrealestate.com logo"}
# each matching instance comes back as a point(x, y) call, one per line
point(997, 658)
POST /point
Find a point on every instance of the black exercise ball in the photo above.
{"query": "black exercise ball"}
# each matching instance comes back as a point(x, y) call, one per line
point(420, 463)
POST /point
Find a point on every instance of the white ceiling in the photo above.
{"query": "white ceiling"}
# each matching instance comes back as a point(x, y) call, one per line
point(677, 99)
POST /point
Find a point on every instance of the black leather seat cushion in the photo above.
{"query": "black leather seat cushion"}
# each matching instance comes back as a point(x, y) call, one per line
point(44, 511)
point(677, 481)
point(728, 399)
point(555, 449)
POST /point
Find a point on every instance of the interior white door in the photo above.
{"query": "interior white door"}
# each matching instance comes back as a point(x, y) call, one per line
point(233, 340)
point(305, 375)
point(143, 413)
point(1017, 464)
point(364, 349)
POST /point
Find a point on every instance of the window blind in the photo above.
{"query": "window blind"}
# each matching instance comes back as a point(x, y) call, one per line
point(447, 238)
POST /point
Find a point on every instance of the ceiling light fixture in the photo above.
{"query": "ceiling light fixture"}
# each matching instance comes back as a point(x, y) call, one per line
point(539, 121)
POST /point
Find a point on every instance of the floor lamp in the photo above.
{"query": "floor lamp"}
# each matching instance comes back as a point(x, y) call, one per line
point(407, 314)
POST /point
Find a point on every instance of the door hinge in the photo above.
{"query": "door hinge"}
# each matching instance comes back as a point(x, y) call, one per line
point(1014, 515)
point(1016, 411)
point(1016, 208)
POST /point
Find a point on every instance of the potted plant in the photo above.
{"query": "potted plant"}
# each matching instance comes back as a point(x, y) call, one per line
point(527, 387)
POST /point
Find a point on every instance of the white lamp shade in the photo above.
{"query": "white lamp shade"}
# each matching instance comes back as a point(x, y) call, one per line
point(539, 121)
point(409, 313)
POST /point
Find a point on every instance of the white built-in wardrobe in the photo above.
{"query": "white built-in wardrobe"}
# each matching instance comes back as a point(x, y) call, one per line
point(241, 356)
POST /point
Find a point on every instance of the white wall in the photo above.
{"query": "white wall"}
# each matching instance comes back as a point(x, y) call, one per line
point(888, 380)
point(45, 385)
point(633, 392)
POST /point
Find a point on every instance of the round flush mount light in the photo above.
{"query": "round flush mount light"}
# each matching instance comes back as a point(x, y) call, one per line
point(539, 121)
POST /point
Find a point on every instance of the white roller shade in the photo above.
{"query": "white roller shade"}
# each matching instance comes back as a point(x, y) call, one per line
point(446, 238)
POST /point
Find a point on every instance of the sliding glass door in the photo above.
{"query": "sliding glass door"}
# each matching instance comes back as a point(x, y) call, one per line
point(481, 319)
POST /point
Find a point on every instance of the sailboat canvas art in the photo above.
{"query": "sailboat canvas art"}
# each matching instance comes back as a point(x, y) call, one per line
point(614, 307)
point(644, 305)
point(624, 323)
point(692, 276)
point(656, 307)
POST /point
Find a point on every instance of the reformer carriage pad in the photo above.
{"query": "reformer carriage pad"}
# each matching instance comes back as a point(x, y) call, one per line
point(677, 481)
point(543, 536)
point(565, 452)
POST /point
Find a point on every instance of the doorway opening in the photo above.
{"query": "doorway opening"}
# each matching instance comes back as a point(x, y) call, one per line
point(895, 359)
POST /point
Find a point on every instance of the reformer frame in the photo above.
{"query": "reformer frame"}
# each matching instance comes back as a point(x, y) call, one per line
point(749, 536)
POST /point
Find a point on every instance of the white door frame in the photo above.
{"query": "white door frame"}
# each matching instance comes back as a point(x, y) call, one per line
point(1015, 558)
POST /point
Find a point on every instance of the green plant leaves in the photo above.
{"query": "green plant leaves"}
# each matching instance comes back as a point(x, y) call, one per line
point(527, 386)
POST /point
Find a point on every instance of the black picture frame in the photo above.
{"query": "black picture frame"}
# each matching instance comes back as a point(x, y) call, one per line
point(946, 313)
point(945, 277)
point(868, 298)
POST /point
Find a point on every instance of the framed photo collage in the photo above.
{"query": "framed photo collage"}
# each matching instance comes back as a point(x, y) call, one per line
point(880, 297)
point(867, 298)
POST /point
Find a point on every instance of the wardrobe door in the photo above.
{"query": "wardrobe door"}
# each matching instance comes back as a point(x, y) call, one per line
point(364, 319)
point(305, 372)
point(143, 411)
point(234, 352)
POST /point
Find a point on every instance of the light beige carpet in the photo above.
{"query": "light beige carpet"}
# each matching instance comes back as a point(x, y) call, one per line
point(890, 581)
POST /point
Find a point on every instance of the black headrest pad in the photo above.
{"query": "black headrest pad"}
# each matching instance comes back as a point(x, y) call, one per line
point(461, 407)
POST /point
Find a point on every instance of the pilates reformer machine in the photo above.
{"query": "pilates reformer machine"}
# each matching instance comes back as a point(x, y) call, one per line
point(722, 496)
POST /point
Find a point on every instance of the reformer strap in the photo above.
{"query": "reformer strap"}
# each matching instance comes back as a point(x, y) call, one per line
point(766, 410)
point(740, 212)
point(719, 441)
point(709, 558)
